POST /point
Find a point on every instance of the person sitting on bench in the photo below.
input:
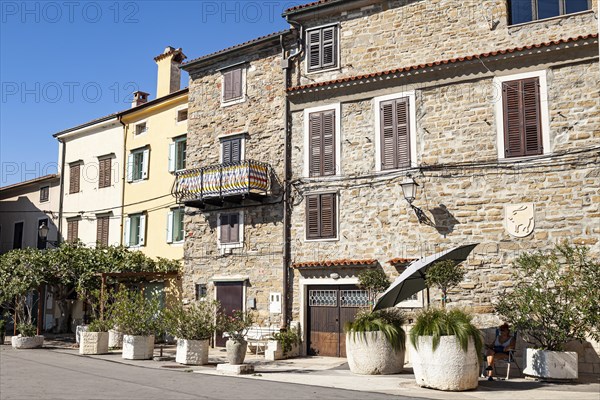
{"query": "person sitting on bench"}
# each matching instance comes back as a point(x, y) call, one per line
point(504, 342)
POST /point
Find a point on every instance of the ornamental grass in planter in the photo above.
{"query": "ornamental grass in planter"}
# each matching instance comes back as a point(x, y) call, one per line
point(375, 342)
point(554, 300)
point(193, 326)
point(284, 344)
point(445, 348)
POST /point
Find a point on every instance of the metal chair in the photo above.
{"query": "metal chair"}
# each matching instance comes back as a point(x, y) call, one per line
point(510, 360)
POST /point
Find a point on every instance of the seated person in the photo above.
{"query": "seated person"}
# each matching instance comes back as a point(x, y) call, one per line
point(499, 350)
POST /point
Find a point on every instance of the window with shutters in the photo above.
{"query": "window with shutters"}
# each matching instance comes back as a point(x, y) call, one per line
point(137, 164)
point(135, 230)
point(44, 194)
point(74, 178)
point(522, 115)
point(72, 230)
point(521, 11)
point(102, 224)
point(321, 216)
point(233, 86)
point(231, 227)
point(104, 172)
point(140, 128)
point(232, 149)
point(175, 230)
point(177, 154)
point(322, 141)
point(395, 131)
point(322, 48)
point(182, 115)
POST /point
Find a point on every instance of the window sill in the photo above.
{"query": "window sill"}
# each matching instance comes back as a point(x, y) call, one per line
point(539, 157)
point(232, 102)
point(320, 71)
point(522, 24)
point(177, 244)
point(336, 239)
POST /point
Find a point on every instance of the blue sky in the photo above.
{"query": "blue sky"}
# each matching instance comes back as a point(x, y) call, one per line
point(63, 63)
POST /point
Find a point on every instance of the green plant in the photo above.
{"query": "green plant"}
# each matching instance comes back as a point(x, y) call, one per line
point(2, 326)
point(375, 281)
point(438, 322)
point(235, 325)
point(193, 322)
point(388, 321)
point(136, 315)
point(555, 297)
point(288, 339)
point(27, 329)
point(445, 275)
point(100, 325)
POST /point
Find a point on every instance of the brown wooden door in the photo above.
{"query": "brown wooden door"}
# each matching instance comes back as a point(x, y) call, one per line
point(230, 295)
point(329, 308)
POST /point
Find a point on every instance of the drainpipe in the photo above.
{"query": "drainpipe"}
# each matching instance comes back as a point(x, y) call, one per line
point(287, 74)
point(124, 179)
point(62, 190)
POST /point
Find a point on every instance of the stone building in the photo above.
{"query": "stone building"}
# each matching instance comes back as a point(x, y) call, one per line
point(232, 187)
point(492, 108)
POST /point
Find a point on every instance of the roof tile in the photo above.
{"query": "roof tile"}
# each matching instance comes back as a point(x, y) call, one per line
point(336, 263)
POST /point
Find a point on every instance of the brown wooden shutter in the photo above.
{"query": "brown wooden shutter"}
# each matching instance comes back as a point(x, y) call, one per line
point(395, 134)
point(102, 230)
point(72, 231)
point(312, 217)
point(321, 131)
point(314, 49)
point(388, 133)
point(328, 223)
point(522, 118)
point(402, 133)
point(105, 173)
point(315, 144)
point(531, 117)
point(328, 141)
point(237, 83)
point(224, 227)
point(234, 228)
point(226, 149)
point(321, 216)
point(329, 53)
point(74, 173)
point(227, 86)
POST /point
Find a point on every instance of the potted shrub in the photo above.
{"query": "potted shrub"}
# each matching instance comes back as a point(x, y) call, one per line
point(445, 275)
point(193, 326)
point(138, 318)
point(554, 301)
point(94, 340)
point(235, 326)
point(375, 342)
point(374, 281)
point(445, 349)
point(27, 338)
point(284, 344)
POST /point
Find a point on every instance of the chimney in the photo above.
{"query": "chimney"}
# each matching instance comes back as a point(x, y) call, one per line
point(169, 74)
point(139, 98)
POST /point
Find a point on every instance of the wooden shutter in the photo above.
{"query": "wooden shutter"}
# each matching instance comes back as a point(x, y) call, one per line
point(72, 230)
point(104, 179)
point(227, 86)
point(328, 52)
point(314, 49)
point(315, 144)
point(170, 230)
point(234, 228)
point(102, 230)
point(232, 150)
point(395, 134)
point(312, 217)
point(74, 174)
point(388, 133)
point(522, 118)
point(402, 133)
point(142, 237)
point(171, 164)
point(237, 83)
point(328, 167)
point(321, 131)
point(328, 223)
point(127, 232)
point(321, 216)
point(145, 163)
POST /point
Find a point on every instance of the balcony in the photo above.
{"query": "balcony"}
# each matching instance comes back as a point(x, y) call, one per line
point(217, 184)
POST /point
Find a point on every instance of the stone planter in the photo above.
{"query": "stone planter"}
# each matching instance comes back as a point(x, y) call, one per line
point(446, 368)
point(93, 343)
point(27, 342)
point(192, 352)
point(78, 330)
point(115, 339)
point(236, 351)
point(551, 365)
point(138, 347)
point(370, 353)
point(274, 351)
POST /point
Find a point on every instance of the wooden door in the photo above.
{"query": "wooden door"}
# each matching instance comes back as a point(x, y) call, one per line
point(230, 295)
point(329, 308)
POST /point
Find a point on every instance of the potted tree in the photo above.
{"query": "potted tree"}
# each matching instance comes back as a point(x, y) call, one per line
point(193, 326)
point(284, 344)
point(554, 301)
point(139, 318)
point(235, 326)
point(27, 337)
point(375, 342)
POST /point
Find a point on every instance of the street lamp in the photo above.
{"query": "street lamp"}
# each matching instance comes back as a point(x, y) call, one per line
point(43, 234)
point(409, 190)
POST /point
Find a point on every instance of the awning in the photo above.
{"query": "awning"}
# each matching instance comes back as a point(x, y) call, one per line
point(412, 280)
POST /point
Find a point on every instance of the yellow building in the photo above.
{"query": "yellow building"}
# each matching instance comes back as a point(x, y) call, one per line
point(155, 147)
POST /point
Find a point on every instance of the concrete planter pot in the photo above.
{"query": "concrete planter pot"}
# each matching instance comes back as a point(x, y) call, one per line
point(115, 339)
point(138, 347)
point(27, 342)
point(192, 352)
point(371, 353)
point(446, 368)
point(93, 343)
point(236, 351)
point(78, 330)
point(274, 351)
point(551, 365)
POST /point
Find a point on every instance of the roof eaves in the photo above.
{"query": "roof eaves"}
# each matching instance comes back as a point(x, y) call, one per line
point(86, 124)
point(40, 179)
point(154, 102)
point(309, 7)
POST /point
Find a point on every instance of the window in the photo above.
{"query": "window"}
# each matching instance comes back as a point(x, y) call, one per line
point(177, 154)
point(232, 150)
point(18, 235)
point(140, 128)
point(74, 176)
point(175, 231)
point(322, 143)
point(102, 223)
point(200, 291)
point(44, 193)
point(72, 230)
point(104, 175)
point(229, 228)
point(137, 165)
point(233, 85)
point(182, 115)
point(522, 115)
point(321, 221)
point(135, 230)
point(41, 243)
point(521, 11)
point(322, 48)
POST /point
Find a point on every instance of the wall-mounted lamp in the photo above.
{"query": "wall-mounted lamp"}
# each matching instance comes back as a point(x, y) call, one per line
point(409, 190)
point(43, 234)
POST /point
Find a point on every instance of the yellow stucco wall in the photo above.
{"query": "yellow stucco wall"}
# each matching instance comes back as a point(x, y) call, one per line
point(152, 196)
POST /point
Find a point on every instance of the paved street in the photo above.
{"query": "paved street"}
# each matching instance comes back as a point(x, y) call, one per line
point(44, 374)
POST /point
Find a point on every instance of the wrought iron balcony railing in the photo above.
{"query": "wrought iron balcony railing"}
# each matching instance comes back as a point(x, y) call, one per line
point(223, 181)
